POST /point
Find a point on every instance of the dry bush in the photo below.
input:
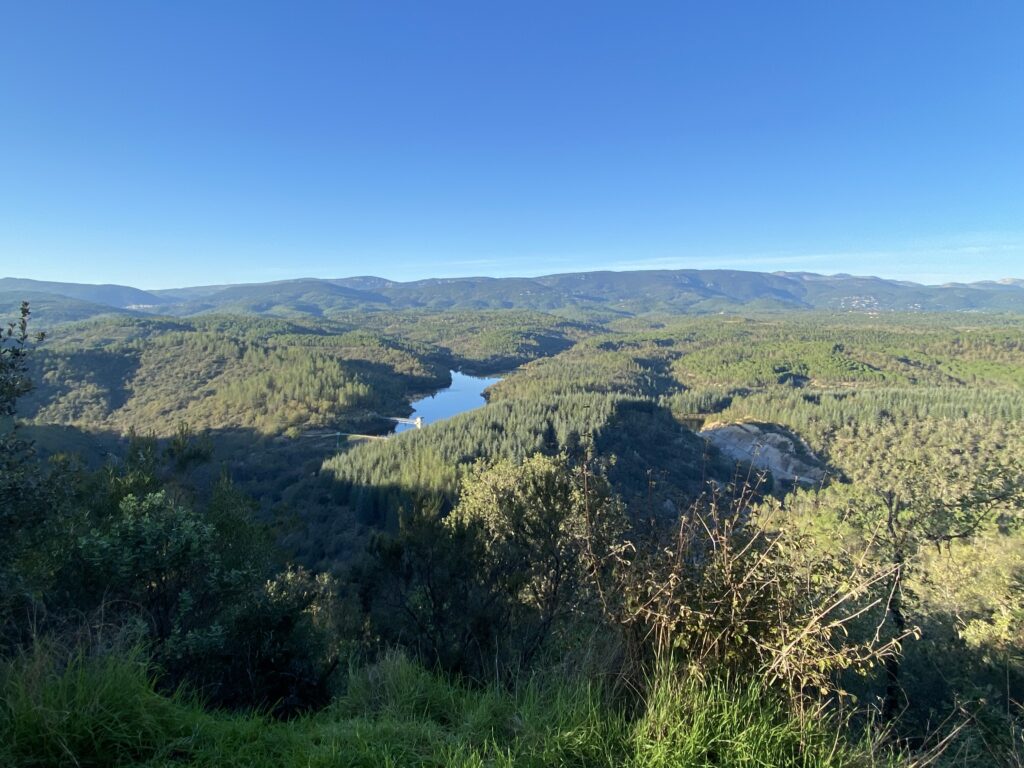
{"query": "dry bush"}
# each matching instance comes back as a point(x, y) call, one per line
point(734, 586)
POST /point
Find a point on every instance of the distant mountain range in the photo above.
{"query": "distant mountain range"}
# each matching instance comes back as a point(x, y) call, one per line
point(605, 294)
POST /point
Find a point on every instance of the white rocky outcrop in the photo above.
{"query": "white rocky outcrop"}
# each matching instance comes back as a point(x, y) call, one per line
point(770, 448)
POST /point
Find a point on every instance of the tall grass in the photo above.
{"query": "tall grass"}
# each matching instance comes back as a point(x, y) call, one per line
point(83, 710)
point(715, 722)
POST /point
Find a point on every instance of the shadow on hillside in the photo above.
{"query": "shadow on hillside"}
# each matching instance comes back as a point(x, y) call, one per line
point(264, 467)
point(281, 475)
point(659, 465)
point(654, 463)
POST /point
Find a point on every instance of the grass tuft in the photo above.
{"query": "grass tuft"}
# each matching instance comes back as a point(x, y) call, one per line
point(83, 710)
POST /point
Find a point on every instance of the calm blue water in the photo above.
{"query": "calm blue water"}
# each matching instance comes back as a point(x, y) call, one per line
point(464, 394)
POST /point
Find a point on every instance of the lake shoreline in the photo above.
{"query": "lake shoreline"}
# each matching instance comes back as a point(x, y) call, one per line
point(465, 393)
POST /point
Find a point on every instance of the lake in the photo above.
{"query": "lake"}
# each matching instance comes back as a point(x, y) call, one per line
point(465, 394)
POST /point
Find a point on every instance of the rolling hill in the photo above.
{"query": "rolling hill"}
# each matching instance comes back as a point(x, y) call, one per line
point(119, 296)
point(49, 309)
point(605, 293)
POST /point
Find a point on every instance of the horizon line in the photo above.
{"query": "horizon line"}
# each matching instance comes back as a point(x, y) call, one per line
point(779, 273)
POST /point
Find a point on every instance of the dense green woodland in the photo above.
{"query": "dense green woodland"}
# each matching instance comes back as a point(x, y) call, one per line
point(196, 568)
point(264, 374)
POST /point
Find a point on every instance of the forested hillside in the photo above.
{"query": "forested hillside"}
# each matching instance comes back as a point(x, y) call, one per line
point(632, 390)
point(269, 375)
point(581, 507)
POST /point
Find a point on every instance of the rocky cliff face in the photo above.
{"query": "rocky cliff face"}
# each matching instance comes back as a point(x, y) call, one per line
point(769, 448)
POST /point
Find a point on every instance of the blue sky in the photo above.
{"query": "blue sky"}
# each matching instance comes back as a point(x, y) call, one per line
point(162, 144)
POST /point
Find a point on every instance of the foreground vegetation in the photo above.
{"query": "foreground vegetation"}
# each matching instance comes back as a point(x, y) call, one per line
point(105, 712)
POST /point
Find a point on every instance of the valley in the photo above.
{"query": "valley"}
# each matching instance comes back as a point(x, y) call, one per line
point(283, 399)
point(802, 420)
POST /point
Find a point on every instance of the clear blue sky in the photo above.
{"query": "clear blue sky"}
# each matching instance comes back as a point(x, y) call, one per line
point(171, 143)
